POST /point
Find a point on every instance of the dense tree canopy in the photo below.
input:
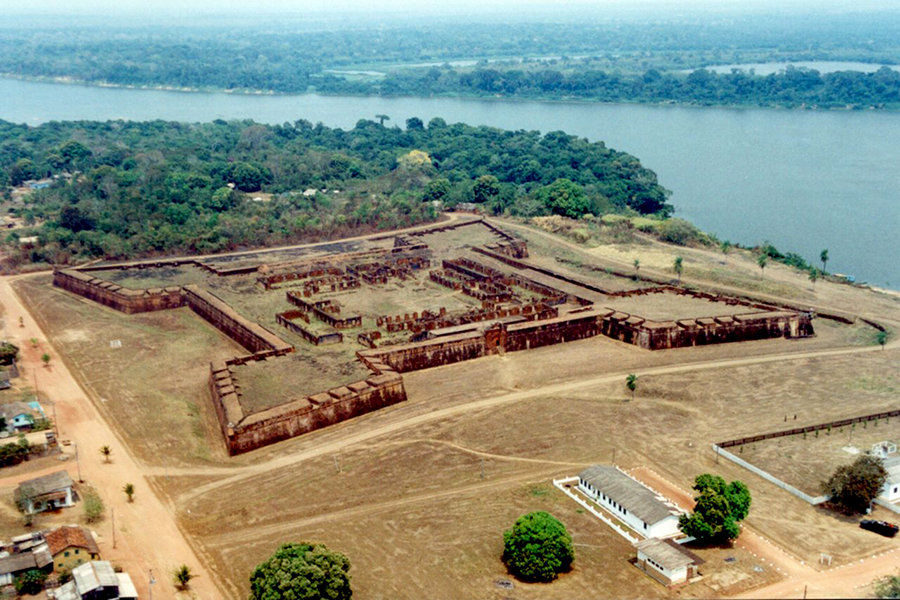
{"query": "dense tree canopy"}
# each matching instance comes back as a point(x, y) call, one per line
point(302, 571)
point(853, 487)
point(656, 60)
point(538, 547)
point(720, 506)
point(126, 189)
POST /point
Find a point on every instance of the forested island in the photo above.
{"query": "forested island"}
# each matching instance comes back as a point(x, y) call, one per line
point(128, 189)
point(603, 61)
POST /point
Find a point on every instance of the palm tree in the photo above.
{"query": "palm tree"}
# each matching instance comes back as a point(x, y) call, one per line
point(813, 276)
point(678, 267)
point(824, 257)
point(631, 383)
point(762, 260)
point(129, 491)
point(106, 451)
point(725, 247)
point(182, 577)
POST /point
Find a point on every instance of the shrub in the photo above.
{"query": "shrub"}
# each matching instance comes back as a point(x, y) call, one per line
point(30, 583)
point(93, 507)
point(538, 547)
point(679, 232)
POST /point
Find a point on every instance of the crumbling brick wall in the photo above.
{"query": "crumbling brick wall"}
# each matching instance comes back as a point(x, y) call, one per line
point(115, 296)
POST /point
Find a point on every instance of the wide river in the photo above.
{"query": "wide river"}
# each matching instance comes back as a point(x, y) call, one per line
point(802, 180)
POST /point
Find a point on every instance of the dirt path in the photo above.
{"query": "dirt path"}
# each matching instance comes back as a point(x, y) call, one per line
point(255, 533)
point(147, 536)
point(840, 582)
point(467, 408)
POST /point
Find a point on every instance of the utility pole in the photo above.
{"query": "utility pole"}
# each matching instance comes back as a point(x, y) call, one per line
point(78, 462)
point(482, 468)
point(151, 582)
point(113, 514)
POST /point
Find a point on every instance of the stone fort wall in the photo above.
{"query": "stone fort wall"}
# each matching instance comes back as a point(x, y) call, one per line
point(245, 432)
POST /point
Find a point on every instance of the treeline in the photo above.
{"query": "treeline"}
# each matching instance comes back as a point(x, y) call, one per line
point(616, 61)
point(791, 88)
point(126, 189)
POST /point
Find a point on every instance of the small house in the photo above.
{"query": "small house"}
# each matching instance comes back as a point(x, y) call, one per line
point(891, 489)
point(13, 565)
point(70, 547)
point(630, 501)
point(96, 580)
point(666, 561)
point(49, 492)
point(19, 416)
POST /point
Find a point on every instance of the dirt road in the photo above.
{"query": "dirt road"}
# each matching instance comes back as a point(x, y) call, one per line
point(147, 536)
point(467, 408)
point(799, 579)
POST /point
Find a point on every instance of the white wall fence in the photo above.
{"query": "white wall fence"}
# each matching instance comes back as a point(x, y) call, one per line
point(560, 483)
point(768, 477)
point(885, 504)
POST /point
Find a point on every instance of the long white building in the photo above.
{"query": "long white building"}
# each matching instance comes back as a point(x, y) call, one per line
point(642, 509)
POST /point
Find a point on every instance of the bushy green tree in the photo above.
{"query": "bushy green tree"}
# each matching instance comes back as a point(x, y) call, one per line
point(565, 197)
point(720, 506)
point(437, 190)
point(302, 571)
point(888, 587)
point(538, 547)
point(486, 188)
point(30, 583)
point(8, 353)
point(853, 487)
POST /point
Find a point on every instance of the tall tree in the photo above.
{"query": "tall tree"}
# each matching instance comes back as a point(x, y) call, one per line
point(382, 119)
point(824, 258)
point(853, 487)
point(720, 506)
point(814, 276)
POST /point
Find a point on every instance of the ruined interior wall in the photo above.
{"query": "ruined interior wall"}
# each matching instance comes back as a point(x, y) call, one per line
point(427, 354)
point(252, 336)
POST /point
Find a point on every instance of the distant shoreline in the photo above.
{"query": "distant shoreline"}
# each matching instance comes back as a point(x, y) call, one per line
point(494, 98)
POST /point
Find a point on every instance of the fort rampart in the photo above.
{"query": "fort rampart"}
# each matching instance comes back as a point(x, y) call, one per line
point(245, 432)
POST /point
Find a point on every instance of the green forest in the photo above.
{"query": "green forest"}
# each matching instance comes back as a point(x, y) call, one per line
point(129, 189)
point(610, 61)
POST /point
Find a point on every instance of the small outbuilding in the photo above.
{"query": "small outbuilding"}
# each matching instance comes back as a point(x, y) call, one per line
point(49, 492)
point(96, 580)
point(666, 561)
point(891, 489)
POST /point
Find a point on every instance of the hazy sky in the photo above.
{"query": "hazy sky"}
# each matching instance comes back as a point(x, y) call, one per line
point(155, 7)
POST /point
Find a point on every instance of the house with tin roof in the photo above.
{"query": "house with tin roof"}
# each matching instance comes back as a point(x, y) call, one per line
point(50, 492)
point(630, 501)
point(666, 561)
point(96, 580)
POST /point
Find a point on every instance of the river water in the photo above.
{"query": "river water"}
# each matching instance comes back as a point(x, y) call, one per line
point(802, 180)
